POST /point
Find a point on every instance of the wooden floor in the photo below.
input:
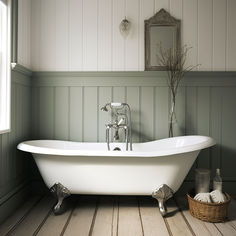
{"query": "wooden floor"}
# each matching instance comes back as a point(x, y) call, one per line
point(107, 215)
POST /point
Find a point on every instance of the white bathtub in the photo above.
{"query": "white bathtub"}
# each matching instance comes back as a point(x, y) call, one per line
point(88, 168)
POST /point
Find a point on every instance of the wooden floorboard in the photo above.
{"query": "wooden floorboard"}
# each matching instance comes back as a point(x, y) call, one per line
point(19, 215)
point(34, 219)
point(176, 222)
point(229, 227)
point(153, 222)
point(54, 225)
point(104, 218)
point(129, 222)
point(81, 219)
point(199, 227)
point(112, 216)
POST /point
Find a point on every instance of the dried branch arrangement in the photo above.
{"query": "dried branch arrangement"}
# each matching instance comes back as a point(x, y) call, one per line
point(174, 63)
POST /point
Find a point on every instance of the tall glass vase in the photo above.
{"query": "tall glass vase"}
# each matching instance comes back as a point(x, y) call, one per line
point(172, 117)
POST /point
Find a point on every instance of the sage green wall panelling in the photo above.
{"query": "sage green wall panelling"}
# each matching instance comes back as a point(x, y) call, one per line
point(119, 95)
point(205, 105)
point(133, 99)
point(76, 113)
point(147, 114)
point(179, 126)
point(12, 134)
point(90, 113)
point(203, 122)
point(228, 133)
point(35, 108)
point(104, 96)
point(191, 120)
point(46, 112)
point(161, 111)
point(14, 164)
point(61, 113)
point(215, 126)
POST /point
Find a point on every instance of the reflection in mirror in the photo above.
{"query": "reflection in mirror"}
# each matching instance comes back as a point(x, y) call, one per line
point(161, 30)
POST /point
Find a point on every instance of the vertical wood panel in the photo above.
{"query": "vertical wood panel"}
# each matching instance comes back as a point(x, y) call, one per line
point(162, 4)
point(147, 114)
point(75, 35)
point(61, 113)
point(76, 113)
point(1, 166)
point(205, 36)
point(228, 131)
point(90, 35)
point(179, 128)
point(190, 30)
point(46, 113)
point(35, 34)
point(118, 53)
point(12, 135)
point(62, 41)
point(105, 96)
point(104, 35)
point(25, 110)
point(19, 130)
point(176, 8)
point(133, 101)
point(146, 10)
point(4, 158)
point(191, 119)
point(20, 46)
point(28, 33)
point(132, 43)
point(35, 112)
point(119, 95)
point(219, 34)
point(231, 35)
point(129, 219)
point(161, 112)
point(90, 114)
point(216, 126)
point(203, 120)
point(84, 35)
point(48, 35)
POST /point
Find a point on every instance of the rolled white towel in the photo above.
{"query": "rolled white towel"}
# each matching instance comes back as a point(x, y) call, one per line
point(203, 197)
point(217, 196)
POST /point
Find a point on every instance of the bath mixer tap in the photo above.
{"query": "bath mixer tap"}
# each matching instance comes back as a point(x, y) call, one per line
point(122, 122)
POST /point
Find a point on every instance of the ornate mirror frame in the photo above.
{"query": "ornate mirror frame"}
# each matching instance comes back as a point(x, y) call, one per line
point(160, 19)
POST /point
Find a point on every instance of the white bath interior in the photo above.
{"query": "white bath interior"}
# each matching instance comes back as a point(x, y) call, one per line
point(88, 168)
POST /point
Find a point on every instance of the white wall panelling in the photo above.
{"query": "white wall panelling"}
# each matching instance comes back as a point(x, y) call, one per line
point(79, 35)
point(24, 33)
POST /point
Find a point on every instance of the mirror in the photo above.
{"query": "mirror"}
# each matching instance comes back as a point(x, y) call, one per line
point(160, 30)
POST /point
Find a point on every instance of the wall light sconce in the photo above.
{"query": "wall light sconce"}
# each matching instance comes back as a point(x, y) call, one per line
point(124, 27)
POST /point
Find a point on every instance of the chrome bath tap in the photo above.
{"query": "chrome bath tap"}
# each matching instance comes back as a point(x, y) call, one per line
point(122, 121)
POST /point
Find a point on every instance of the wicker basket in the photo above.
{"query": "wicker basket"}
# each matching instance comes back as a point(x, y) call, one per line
point(210, 212)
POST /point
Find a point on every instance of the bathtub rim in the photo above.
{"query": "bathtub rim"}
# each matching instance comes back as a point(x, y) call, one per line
point(26, 147)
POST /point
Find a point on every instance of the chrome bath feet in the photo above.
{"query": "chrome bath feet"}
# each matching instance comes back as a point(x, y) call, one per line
point(60, 192)
point(162, 194)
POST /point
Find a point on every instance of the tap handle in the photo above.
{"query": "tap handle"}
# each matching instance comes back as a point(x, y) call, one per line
point(121, 120)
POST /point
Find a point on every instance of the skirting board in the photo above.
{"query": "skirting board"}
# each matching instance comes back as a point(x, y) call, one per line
point(10, 202)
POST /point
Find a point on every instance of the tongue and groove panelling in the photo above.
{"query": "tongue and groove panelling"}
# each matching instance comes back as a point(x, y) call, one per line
point(69, 108)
